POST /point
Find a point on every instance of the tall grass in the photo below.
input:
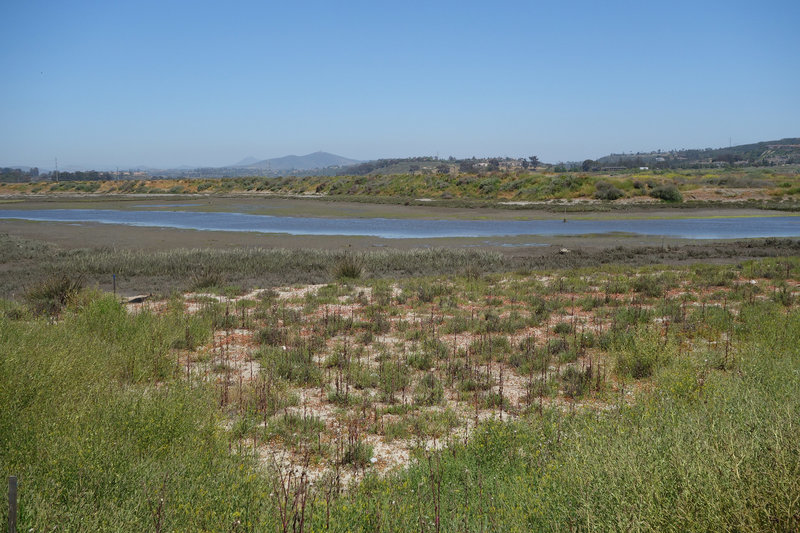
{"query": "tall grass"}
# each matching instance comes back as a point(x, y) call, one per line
point(99, 431)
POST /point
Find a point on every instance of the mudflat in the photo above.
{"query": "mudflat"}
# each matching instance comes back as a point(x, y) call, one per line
point(96, 235)
point(317, 207)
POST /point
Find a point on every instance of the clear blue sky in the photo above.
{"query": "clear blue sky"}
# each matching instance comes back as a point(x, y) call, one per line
point(170, 83)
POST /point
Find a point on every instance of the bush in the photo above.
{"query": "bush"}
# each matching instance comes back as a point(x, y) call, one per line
point(667, 192)
point(53, 294)
point(606, 191)
point(205, 279)
point(563, 328)
point(348, 268)
point(358, 454)
point(639, 354)
point(576, 381)
point(394, 377)
point(429, 391)
point(295, 365)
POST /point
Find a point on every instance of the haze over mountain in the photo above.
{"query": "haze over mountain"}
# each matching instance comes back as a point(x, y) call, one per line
point(298, 162)
point(246, 161)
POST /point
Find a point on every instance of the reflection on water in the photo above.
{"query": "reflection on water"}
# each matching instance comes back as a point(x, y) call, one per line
point(706, 228)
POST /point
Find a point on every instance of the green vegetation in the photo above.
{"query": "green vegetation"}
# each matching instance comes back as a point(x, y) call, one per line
point(27, 263)
point(667, 192)
point(659, 398)
point(773, 187)
point(50, 295)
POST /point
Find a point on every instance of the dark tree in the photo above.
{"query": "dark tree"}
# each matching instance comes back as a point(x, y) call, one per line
point(534, 161)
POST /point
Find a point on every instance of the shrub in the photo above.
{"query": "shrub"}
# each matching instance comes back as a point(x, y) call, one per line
point(576, 381)
point(420, 361)
point(205, 279)
point(293, 428)
point(667, 192)
point(606, 191)
point(563, 328)
point(638, 355)
point(348, 268)
point(429, 391)
point(357, 454)
point(393, 377)
point(53, 294)
point(295, 365)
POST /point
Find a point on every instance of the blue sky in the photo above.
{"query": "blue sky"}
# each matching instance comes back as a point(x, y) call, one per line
point(168, 83)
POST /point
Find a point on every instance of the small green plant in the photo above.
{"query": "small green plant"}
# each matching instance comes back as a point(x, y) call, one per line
point(429, 391)
point(563, 328)
point(420, 360)
point(576, 381)
point(296, 364)
point(357, 454)
point(641, 352)
point(393, 377)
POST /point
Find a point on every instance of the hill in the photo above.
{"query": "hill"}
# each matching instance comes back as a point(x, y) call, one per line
point(778, 152)
point(317, 160)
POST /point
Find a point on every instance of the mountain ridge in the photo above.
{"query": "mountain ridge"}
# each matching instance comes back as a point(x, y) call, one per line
point(314, 160)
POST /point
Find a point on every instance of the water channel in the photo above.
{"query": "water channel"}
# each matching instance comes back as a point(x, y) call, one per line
point(688, 228)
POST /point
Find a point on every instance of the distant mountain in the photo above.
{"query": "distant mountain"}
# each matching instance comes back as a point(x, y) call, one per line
point(247, 161)
point(302, 162)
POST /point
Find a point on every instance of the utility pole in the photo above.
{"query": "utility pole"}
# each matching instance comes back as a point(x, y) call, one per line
point(56, 170)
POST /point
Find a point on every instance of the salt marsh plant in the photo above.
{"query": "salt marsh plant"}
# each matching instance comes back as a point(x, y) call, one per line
point(52, 294)
point(348, 267)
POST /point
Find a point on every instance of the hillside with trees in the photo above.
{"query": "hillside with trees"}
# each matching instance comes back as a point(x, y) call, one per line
point(766, 153)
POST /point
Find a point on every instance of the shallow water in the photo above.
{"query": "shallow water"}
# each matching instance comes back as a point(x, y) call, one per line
point(688, 228)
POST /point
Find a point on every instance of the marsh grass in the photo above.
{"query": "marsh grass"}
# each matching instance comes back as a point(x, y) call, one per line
point(348, 267)
point(52, 294)
point(140, 271)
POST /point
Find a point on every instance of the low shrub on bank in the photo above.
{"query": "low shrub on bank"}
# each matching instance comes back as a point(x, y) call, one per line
point(667, 192)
